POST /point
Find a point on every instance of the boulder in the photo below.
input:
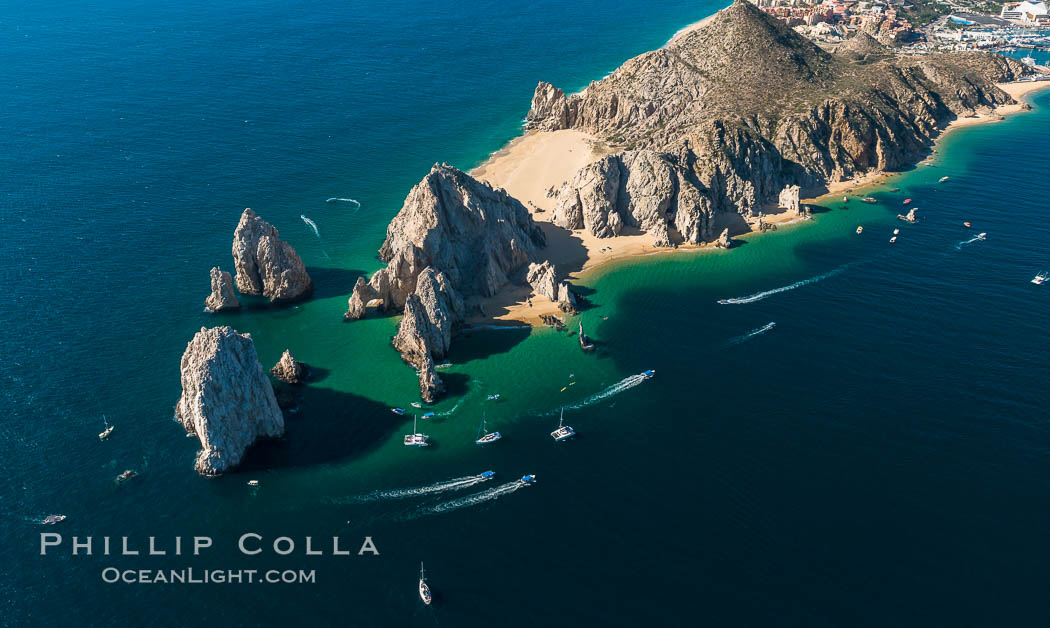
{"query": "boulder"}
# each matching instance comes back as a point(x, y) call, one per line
point(289, 370)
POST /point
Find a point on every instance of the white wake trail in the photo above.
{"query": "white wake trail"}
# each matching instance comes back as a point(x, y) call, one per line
point(751, 334)
point(626, 383)
point(419, 491)
point(959, 245)
point(768, 293)
point(313, 225)
point(344, 200)
point(473, 500)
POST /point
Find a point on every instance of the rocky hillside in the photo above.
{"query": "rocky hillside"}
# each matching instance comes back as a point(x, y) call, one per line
point(745, 106)
point(454, 237)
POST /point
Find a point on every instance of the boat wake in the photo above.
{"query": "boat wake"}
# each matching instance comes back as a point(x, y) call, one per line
point(344, 200)
point(312, 224)
point(959, 245)
point(626, 383)
point(420, 491)
point(471, 500)
point(768, 293)
point(751, 334)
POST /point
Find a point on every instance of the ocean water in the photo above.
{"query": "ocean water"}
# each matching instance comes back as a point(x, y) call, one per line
point(879, 457)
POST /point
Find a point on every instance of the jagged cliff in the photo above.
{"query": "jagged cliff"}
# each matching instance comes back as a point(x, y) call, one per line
point(743, 107)
point(265, 264)
point(454, 237)
point(227, 401)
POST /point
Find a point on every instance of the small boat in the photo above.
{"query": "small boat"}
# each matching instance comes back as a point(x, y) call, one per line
point(564, 388)
point(416, 404)
point(104, 434)
point(484, 436)
point(398, 411)
point(127, 475)
point(768, 326)
point(649, 374)
point(415, 439)
point(893, 239)
point(563, 432)
point(443, 365)
point(53, 519)
point(493, 397)
point(966, 224)
point(528, 479)
point(860, 230)
point(1040, 278)
point(868, 199)
point(424, 590)
point(428, 415)
point(895, 189)
point(845, 200)
point(906, 201)
point(253, 482)
point(981, 236)
point(896, 232)
point(487, 475)
point(942, 179)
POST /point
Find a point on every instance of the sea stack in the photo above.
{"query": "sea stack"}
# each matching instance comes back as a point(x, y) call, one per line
point(289, 370)
point(222, 297)
point(789, 199)
point(723, 241)
point(265, 264)
point(542, 279)
point(454, 238)
point(227, 400)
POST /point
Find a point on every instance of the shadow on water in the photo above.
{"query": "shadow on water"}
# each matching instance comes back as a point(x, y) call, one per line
point(478, 344)
point(333, 282)
point(329, 426)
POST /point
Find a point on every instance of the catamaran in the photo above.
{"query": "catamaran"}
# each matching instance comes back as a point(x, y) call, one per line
point(104, 434)
point(424, 590)
point(1040, 278)
point(415, 439)
point(484, 436)
point(563, 432)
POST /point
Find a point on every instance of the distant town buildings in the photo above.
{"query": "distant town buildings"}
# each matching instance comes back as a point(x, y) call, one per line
point(878, 18)
point(1026, 12)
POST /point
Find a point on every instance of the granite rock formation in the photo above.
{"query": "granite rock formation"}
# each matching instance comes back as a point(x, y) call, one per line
point(227, 400)
point(723, 241)
point(745, 106)
point(265, 264)
point(789, 199)
point(642, 189)
point(222, 296)
point(455, 237)
point(566, 298)
point(543, 280)
point(290, 370)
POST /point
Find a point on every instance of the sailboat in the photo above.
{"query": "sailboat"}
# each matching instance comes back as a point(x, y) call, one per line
point(424, 590)
point(488, 437)
point(415, 439)
point(563, 432)
point(104, 434)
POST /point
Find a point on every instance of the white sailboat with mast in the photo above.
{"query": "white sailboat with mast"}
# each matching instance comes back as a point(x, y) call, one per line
point(424, 590)
point(563, 432)
point(415, 439)
point(484, 436)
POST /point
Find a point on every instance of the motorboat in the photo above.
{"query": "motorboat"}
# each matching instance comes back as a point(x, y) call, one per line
point(528, 479)
point(651, 373)
point(424, 589)
point(564, 432)
point(942, 179)
point(906, 201)
point(253, 482)
point(893, 239)
point(487, 475)
point(127, 475)
point(428, 415)
point(966, 224)
point(896, 232)
point(493, 397)
point(416, 404)
point(53, 519)
point(869, 199)
point(398, 411)
point(1040, 278)
point(981, 236)
point(860, 230)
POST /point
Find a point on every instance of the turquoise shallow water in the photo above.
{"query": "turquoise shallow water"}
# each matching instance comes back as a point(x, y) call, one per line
point(879, 457)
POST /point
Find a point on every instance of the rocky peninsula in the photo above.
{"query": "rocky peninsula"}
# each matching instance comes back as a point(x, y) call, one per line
point(727, 127)
point(227, 401)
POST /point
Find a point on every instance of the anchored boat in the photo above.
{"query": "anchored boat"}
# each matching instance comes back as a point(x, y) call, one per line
point(416, 439)
point(1040, 278)
point(398, 411)
point(104, 434)
point(484, 436)
point(424, 590)
point(564, 432)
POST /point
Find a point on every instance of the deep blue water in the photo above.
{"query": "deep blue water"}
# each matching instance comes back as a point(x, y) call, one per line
point(880, 458)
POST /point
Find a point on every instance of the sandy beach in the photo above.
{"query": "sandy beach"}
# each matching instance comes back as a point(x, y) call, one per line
point(537, 161)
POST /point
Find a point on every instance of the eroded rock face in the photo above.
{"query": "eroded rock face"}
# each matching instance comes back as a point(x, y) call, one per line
point(454, 237)
point(640, 188)
point(723, 241)
point(566, 298)
point(543, 280)
point(265, 264)
point(746, 107)
point(289, 370)
point(789, 199)
point(222, 296)
point(227, 400)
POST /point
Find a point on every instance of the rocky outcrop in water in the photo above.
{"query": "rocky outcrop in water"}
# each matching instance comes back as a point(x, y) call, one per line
point(265, 264)
point(222, 297)
point(723, 241)
point(455, 237)
point(543, 280)
point(745, 106)
point(566, 298)
point(227, 400)
point(789, 199)
point(289, 370)
point(641, 189)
